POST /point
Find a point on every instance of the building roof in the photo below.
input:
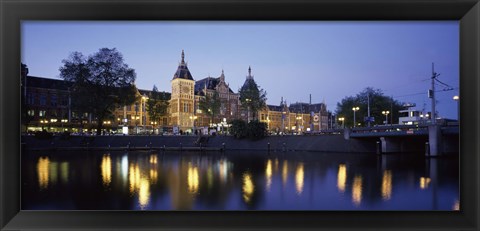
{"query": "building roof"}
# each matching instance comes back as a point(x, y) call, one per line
point(306, 107)
point(209, 83)
point(182, 70)
point(41, 82)
point(275, 108)
point(164, 94)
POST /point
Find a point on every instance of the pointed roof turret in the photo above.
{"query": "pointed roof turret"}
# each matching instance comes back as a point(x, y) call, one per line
point(182, 70)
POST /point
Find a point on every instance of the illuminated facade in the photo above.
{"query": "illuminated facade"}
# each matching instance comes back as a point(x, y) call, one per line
point(48, 106)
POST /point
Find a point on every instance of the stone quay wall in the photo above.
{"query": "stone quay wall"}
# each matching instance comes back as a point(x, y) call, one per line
point(320, 143)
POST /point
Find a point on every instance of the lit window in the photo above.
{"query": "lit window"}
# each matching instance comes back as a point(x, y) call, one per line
point(42, 113)
point(31, 112)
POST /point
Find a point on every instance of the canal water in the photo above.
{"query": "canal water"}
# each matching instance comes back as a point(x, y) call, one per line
point(81, 180)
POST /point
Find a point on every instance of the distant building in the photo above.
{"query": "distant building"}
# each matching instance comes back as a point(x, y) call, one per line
point(48, 104)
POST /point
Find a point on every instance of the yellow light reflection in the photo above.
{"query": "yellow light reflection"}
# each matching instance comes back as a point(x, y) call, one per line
point(268, 174)
point(64, 171)
point(223, 171)
point(299, 177)
point(357, 190)
point(342, 177)
point(53, 172)
point(106, 167)
point(424, 182)
point(285, 172)
point(134, 177)
point(387, 185)
point(153, 176)
point(248, 187)
point(153, 159)
point(456, 206)
point(143, 193)
point(43, 172)
point(193, 179)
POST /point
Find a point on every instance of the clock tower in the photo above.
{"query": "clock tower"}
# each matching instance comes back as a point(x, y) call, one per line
point(182, 100)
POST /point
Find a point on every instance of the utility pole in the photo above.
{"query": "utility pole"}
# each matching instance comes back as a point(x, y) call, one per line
point(431, 94)
point(368, 102)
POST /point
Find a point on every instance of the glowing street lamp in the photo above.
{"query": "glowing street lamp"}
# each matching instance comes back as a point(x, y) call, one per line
point(386, 116)
point(355, 109)
point(194, 117)
point(343, 121)
point(457, 98)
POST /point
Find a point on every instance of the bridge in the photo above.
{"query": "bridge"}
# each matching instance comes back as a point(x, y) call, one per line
point(434, 139)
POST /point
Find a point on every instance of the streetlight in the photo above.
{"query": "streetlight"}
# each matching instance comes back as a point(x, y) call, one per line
point(194, 118)
point(457, 98)
point(144, 116)
point(386, 116)
point(248, 109)
point(355, 109)
point(343, 121)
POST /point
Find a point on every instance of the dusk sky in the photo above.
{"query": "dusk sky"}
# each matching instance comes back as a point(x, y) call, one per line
point(329, 60)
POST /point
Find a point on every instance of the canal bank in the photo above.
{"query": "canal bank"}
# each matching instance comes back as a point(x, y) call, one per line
point(319, 143)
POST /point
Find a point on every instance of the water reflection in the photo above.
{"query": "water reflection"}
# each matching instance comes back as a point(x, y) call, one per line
point(424, 182)
point(387, 185)
point(268, 174)
point(43, 172)
point(285, 172)
point(143, 193)
point(193, 180)
point(248, 188)
point(299, 176)
point(106, 169)
point(357, 190)
point(341, 177)
point(146, 181)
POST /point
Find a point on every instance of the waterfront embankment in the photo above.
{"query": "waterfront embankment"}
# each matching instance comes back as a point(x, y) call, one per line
point(320, 143)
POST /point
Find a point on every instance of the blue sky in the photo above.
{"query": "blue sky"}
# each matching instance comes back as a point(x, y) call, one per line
point(329, 60)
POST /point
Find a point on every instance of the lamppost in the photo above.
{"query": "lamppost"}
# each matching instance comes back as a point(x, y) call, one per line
point(343, 121)
point(63, 121)
point(193, 118)
point(154, 124)
point(144, 116)
point(355, 109)
point(457, 98)
point(386, 116)
point(248, 109)
point(298, 126)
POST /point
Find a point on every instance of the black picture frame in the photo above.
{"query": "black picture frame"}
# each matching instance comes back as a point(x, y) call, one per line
point(13, 12)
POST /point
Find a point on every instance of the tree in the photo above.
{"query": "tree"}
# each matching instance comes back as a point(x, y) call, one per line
point(378, 103)
point(210, 105)
point(252, 97)
point(99, 83)
point(157, 105)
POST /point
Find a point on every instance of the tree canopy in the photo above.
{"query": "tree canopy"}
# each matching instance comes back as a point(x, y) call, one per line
point(252, 97)
point(157, 105)
point(99, 83)
point(378, 103)
point(210, 105)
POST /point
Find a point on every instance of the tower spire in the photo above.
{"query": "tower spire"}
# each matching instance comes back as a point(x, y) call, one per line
point(183, 56)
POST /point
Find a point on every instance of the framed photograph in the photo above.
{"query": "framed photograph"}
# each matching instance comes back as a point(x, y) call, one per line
point(239, 115)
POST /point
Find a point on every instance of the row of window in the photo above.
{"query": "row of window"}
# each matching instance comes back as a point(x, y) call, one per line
point(53, 99)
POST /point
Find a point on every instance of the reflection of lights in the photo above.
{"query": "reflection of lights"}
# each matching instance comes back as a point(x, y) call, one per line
point(153, 176)
point(276, 164)
point(64, 171)
point(285, 172)
point(143, 193)
point(248, 187)
point(192, 179)
point(299, 178)
point(223, 170)
point(124, 165)
point(153, 159)
point(357, 190)
point(424, 182)
point(341, 177)
point(268, 174)
point(456, 206)
point(387, 185)
point(134, 177)
point(106, 167)
point(53, 172)
point(43, 172)
point(210, 177)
